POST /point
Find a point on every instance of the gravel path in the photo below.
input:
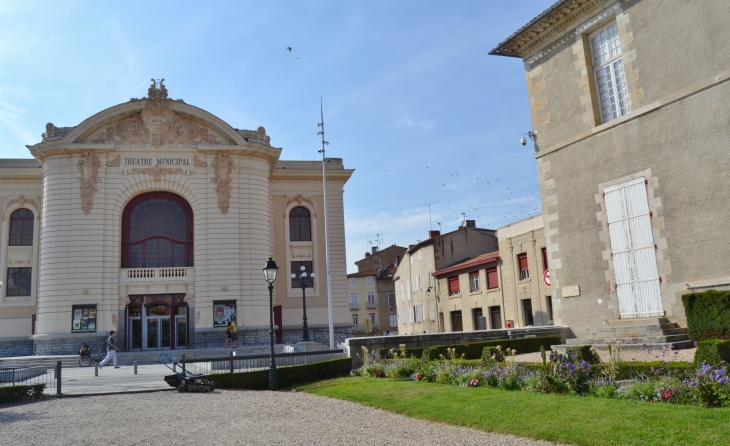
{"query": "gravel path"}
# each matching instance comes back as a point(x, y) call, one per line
point(686, 355)
point(222, 418)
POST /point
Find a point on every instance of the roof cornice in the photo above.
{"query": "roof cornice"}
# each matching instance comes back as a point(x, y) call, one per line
point(546, 26)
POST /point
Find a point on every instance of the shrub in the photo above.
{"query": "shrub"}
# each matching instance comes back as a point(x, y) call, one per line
point(14, 394)
point(713, 351)
point(492, 354)
point(428, 354)
point(286, 376)
point(474, 350)
point(708, 314)
point(584, 352)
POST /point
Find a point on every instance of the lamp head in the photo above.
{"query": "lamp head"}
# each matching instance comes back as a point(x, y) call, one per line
point(523, 141)
point(293, 276)
point(312, 275)
point(270, 271)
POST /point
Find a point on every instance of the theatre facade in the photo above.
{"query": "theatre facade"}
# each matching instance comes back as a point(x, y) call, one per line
point(155, 218)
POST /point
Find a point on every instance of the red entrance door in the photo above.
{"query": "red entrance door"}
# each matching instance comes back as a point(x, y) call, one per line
point(279, 332)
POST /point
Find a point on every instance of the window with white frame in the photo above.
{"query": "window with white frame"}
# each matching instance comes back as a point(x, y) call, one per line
point(372, 318)
point(632, 249)
point(370, 281)
point(417, 311)
point(371, 297)
point(432, 310)
point(402, 291)
point(354, 319)
point(411, 313)
point(608, 71)
point(353, 282)
point(474, 281)
point(392, 320)
point(353, 300)
point(403, 315)
point(391, 299)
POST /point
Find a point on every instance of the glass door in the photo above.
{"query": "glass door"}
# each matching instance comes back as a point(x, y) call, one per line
point(181, 327)
point(152, 334)
point(134, 328)
point(157, 327)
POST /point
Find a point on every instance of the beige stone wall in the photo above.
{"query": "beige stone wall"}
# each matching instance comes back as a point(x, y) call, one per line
point(676, 63)
point(362, 310)
point(412, 289)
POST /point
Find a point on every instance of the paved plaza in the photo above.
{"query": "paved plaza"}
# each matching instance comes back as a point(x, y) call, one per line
point(81, 380)
point(224, 417)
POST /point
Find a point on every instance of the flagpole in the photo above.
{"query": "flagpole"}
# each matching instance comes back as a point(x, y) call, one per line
point(326, 228)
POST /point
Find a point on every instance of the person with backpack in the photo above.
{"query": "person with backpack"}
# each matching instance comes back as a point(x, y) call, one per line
point(233, 333)
point(229, 334)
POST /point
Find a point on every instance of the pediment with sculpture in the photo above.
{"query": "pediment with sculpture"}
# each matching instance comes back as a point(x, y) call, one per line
point(157, 124)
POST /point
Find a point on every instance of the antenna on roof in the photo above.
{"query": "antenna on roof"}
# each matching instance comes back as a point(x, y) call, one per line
point(430, 225)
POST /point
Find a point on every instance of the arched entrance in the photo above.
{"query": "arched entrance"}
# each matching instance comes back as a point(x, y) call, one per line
point(157, 241)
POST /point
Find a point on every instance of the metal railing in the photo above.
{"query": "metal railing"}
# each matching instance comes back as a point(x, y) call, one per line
point(370, 305)
point(354, 305)
point(248, 363)
point(28, 375)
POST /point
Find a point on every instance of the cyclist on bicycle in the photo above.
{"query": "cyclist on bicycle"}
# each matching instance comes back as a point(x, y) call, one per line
point(84, 351)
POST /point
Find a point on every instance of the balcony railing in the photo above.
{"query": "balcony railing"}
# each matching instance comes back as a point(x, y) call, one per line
point(370, 305)
point(156, 275)
point(354, 305)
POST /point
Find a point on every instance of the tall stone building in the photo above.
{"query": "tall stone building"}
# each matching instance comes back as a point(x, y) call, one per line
point(628, 100)
point(155, 218)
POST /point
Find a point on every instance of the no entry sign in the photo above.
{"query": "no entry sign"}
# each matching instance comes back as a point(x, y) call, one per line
point(546, 277)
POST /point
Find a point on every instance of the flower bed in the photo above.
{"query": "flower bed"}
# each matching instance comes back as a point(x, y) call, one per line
point(661, 382)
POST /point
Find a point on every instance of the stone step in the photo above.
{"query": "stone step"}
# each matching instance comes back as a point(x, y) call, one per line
point(639, 321)
point(630, 340)
point(680, 345)
point(613, 329)
point(633, 333)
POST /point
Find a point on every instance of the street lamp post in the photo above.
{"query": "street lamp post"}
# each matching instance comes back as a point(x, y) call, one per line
point(270, 275)
point(303, 285)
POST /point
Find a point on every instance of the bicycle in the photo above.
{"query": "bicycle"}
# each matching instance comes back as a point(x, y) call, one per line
point(87, 360)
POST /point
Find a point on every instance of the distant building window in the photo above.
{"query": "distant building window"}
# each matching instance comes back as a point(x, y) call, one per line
point(402, 292)
point(474, 281)
point(353, 301)
point(403, 315)
point(371, 299)
point(300, 225)
point(411, 314)
point(492, 279)
point(370, 281)
point(353, 282)
point(430, 280)
point(391, 299)
point(372, 318)
point(522, 264)
point(19, 281)
point(432, 308)
point(417, 311)
point(354, 319)
point(21, 228)
point(608, 70)
point(454, 285)
point(393, 320)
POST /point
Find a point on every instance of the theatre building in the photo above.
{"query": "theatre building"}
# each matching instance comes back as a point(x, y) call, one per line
point(155, 218)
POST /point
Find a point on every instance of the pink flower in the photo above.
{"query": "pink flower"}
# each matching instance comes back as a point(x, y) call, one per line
point(474, 382)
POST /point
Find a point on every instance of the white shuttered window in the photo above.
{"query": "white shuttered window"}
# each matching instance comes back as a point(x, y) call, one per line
point(608, 70)
point(632, 247)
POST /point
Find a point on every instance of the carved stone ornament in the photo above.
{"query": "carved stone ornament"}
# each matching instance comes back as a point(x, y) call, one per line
point(199, 163)
point(299, 200)
point(157, 125)
point(88, 165)
point(156, 172)
point(222, 166)
point(114, 162)
point(22, 201)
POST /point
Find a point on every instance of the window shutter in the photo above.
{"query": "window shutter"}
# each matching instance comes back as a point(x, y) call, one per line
point(523, 261)
point(454, 285)
point(632, 247)
point(492, 281)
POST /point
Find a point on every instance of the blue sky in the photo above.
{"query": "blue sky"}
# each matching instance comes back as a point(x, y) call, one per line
point(412, 101)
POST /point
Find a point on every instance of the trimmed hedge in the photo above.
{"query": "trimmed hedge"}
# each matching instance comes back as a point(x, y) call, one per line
point(285, 376)
point(474, 351)
point(14, 394)
point(712, 351)
point(708, 314)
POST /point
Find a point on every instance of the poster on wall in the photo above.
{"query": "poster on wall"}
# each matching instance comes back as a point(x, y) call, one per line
point(84, 318)
point(224, 311)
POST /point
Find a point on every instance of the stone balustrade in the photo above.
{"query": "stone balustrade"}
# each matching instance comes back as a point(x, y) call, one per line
point(156, 275)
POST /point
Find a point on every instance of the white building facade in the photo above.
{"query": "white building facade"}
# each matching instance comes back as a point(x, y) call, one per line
point(154, 218)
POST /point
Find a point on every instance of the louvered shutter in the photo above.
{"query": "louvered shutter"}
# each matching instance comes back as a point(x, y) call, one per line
point(632, 247)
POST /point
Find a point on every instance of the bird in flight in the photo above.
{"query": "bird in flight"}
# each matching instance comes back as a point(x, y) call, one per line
point(289, 48)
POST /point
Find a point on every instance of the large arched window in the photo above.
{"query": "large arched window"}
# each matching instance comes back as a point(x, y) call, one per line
point(157, 232)
point(21, 228)
point(300, 225)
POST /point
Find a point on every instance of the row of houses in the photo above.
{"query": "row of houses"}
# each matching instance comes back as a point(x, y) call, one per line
point(630, 123)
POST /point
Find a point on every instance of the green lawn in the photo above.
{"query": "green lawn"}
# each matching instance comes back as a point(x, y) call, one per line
point(565, 419)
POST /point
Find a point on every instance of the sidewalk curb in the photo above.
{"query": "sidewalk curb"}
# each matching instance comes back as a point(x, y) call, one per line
point(77, 395)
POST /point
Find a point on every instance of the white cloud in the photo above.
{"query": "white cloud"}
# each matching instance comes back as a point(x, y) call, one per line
point(409, 122)
point(11, 117)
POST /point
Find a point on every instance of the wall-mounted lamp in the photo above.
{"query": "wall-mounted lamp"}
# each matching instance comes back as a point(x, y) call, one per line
point(530, 134)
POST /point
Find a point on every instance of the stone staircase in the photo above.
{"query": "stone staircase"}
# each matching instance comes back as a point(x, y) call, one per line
point(655, 333)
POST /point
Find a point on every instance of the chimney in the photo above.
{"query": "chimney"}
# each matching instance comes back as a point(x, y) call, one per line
point(434, 234)
point(375, 249)
point(471, 224)
point(367, 254)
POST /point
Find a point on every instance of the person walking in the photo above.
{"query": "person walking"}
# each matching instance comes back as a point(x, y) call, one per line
point(111, 351)
point(233, 332)
point(229, 335)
